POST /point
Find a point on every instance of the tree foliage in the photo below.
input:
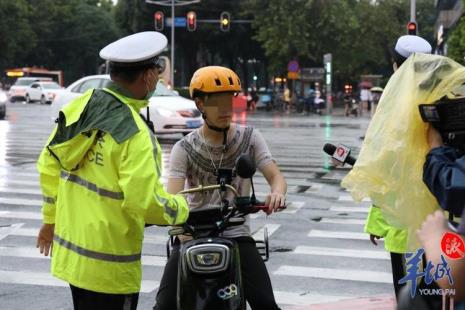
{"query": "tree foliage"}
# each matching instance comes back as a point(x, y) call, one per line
point(359, 33)
point(456, 42)
point(55, 34)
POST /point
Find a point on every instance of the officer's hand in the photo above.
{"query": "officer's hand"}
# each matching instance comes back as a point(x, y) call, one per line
point(274, 201)
point(45, 239)
point(373, 239)
point(434, 138)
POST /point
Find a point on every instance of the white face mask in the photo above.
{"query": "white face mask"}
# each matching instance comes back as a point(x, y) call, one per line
point(149, 91)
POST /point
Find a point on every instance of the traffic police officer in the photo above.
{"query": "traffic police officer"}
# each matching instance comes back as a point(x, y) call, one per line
point(100, 178)
point(395, 240)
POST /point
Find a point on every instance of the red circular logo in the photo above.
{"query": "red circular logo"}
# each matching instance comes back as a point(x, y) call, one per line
point(452, 245)
point(340, 151)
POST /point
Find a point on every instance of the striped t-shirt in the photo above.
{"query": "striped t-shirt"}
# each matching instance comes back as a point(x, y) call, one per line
point(190, 159)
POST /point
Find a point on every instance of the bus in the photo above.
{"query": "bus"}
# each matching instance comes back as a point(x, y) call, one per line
point(55, 75)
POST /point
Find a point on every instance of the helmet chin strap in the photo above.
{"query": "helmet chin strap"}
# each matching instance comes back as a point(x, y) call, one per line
point(217, 129)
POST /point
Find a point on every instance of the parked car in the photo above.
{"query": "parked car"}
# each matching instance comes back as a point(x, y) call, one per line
point(18, 91)
point(265, 100)
point(3, 101)
point(44, 92)
point(169, 112)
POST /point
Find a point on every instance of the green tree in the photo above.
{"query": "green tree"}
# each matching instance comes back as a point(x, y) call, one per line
point(69, 34)
point(456, 42)
point(16, 34)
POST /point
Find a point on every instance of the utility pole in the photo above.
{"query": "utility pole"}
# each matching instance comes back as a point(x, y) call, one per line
point(172, 3)
point(413, 10)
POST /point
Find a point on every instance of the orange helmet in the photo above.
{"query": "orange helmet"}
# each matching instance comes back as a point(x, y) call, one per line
point(214, 79)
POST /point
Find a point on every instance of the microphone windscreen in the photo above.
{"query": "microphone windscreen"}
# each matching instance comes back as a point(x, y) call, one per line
point(329, 148)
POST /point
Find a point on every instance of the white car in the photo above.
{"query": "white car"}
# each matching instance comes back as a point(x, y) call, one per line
point(17, 92)
point(169, 112)
point(44, 92)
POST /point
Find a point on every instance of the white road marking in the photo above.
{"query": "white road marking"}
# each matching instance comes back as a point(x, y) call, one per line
point(340, 235)
point(349, 198)
point(349, 209)
point(326, 251)
point(20, 202)
point(303, 299)
point(343, 221)
point(148, 260)
point(5, 231)
point(335, 274)
point(21, 215)
point(12, 190)
point(271, 229)
point(45, 278)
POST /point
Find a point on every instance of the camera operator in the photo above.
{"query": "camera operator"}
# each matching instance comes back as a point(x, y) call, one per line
point(444, 174)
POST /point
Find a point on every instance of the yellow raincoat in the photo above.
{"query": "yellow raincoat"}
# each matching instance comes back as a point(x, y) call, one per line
point(100, 177)
point(389, 169)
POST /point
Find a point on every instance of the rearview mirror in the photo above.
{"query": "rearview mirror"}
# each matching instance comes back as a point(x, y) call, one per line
point(245, 167)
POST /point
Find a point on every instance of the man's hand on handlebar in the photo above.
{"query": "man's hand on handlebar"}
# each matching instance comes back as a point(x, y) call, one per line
point(274, 201)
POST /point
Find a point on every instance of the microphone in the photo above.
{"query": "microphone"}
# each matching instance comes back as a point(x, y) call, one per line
point(340, 153)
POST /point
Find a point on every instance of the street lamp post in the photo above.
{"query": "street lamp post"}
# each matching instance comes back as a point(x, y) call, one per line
point(413, 9)
point(172, 3)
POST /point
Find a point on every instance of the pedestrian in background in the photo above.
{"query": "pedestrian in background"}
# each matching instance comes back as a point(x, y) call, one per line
point(100, 178)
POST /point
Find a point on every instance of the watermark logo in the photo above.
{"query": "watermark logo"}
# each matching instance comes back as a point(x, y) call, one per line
point(452, 245)
point(227, 292)
point(430, 273)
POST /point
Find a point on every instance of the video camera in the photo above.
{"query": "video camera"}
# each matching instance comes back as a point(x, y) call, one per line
point(447, 116)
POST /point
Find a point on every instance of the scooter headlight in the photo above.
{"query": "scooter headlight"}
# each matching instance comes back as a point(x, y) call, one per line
point(208, 258)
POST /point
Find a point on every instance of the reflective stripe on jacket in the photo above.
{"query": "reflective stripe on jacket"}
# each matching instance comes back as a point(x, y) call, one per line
point(100, 179)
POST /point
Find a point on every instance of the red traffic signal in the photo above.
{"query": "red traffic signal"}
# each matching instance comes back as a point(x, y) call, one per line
point(159, 20)
point(225, 21)
point(412, 28)
point(191, 21)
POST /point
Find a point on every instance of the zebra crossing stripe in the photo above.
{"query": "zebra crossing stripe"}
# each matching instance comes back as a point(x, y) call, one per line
point(18, 173)
point(326, 251)
point(339, 235)
point(20, 202)
point(343, 221)
point(349, 209)
point(21, 215)
point(32, 232)
point(147, 260)
point(45, 278)
point(335, 274)
point(9, 230)
point(30, 191)
point(270, 227)
point(303, 299)
point(349, 198)
point(5, 182)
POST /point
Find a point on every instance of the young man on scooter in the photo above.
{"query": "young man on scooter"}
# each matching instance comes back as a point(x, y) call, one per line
point(195, 160)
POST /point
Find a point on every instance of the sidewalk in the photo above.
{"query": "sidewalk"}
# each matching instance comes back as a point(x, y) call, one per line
point(382, 302)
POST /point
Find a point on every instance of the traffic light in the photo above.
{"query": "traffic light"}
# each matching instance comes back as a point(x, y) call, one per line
point(159, 20)
point(412, 28)
point(191, 21)
point(225, 20)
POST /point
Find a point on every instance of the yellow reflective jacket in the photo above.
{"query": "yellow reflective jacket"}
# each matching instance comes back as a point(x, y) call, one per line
point(100, 178)
point(395, 239)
